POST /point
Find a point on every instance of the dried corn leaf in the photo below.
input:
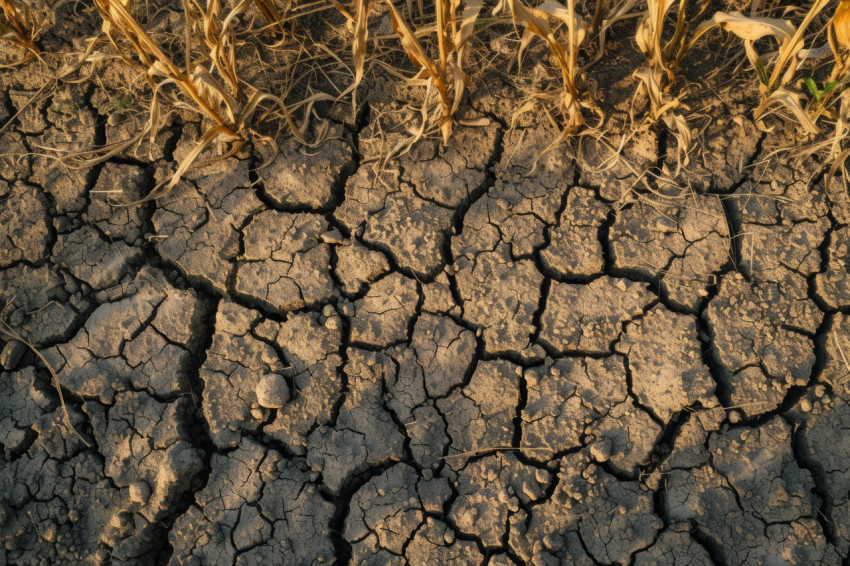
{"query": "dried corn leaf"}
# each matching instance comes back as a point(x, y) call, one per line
point(269, 11)
point(536, 22)
point(793, 102)
point(361, 36)
point(214, 93)
point(410, 44)
point(751, 28)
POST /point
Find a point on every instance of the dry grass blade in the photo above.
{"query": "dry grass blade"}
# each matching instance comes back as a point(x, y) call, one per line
point(205, 140)
point(361, 36)
point(471, 11)
point(841, 351)
point(359, 43)
point(837, 163)
point(18, 25)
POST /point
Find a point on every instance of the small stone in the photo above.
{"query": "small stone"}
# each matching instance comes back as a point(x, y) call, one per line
point(48, 531)
point(272, 391)
point(601, 450)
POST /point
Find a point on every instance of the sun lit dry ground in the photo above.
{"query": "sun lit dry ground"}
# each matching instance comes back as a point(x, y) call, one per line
point(460, 359)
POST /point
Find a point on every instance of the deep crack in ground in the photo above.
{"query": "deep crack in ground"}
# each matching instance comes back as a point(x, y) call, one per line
point(458, 360)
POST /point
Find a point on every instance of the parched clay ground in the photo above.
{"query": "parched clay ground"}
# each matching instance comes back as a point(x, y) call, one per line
point(456, 362)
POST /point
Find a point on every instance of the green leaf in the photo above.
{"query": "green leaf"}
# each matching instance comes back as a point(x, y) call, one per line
point(762, 71)
point(830, 86)
point(812, 88)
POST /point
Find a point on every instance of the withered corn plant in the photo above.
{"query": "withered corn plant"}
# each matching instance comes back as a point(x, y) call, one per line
point(664, 39)
point(445, 71)
point(536, 22)
point(545, 22)
point(18, 25)
point(775, 71)
point(207, 82)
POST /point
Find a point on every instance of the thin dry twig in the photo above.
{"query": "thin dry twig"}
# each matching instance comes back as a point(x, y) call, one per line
point(10, 334)
point(841, 351)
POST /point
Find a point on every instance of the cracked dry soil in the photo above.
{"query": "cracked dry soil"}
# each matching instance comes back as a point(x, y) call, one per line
point(457, 362)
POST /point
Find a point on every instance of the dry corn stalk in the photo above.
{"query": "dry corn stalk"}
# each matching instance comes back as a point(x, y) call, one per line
point(18, 25)
point(446, 72)
point(839, 41)
point(536, 23)
point(841, 23)
point(228, 107)
point(664, 55)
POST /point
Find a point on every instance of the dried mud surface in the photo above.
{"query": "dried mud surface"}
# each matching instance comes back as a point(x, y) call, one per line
point(456, 362)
